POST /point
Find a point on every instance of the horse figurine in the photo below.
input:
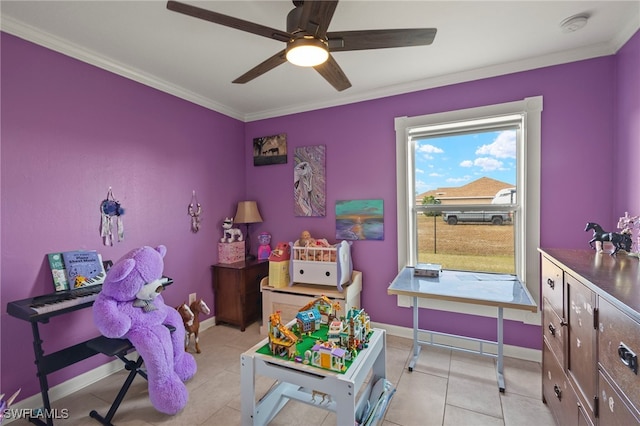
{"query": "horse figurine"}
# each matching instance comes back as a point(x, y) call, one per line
point(190, 316)
point(619, 241)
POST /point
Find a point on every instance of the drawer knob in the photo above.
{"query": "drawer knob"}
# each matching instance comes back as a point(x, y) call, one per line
point(557, 391)
point(552, 329)
point(551, 283)
point(628, 357)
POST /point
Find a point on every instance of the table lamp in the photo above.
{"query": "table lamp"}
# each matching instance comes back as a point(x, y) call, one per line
point(247, 213)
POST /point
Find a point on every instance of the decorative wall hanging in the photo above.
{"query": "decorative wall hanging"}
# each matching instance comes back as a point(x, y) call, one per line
point(360, 220)
point(309, 181)
point(194, 211)
point(270, 150)
point(111, 213)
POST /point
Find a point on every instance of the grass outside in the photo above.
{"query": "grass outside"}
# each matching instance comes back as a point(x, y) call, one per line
point(466, 246)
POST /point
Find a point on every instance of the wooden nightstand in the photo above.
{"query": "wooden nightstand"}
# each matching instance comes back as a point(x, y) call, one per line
point(236, 291)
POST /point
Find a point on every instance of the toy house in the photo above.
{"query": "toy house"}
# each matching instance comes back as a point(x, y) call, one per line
point(282, 341)
point(309, 320)
point(325, 306)
point(329, 356)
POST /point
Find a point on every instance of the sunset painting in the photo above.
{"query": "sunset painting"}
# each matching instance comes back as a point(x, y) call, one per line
point(360, 220)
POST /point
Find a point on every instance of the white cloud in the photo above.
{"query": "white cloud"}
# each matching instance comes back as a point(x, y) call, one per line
point(466, 163)
point(504, 146)
point(428, 149)
point(458, 180)
point(488, 164)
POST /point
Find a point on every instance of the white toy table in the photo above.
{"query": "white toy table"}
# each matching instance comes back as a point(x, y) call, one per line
point(297, 381)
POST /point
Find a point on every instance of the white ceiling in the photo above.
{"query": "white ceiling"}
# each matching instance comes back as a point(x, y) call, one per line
point(197, 60)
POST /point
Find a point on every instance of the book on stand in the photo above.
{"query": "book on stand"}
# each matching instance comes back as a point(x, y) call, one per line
point(58, 272)
point(76, 269)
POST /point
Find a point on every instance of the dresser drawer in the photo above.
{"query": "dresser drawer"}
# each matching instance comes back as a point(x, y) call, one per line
point(613, 409)
point(619, 335)
point(553, 331)
point(552, 285)
point(581, 342)
point(556, 390)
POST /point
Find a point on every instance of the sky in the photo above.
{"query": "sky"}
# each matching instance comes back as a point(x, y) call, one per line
point(454, 161)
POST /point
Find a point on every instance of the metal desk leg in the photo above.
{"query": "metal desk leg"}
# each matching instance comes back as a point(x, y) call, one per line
point(500, 350)
point(416, 345)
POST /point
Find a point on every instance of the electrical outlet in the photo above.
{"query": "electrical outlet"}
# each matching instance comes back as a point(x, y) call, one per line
point(192, 298)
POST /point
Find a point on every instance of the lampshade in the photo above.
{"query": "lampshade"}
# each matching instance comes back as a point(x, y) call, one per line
point(307, 51)
point(247, 213)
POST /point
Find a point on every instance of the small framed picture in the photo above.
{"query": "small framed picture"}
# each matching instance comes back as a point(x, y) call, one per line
point(270, 150)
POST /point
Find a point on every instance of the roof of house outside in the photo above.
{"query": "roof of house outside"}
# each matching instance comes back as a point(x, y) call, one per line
point(478, 191)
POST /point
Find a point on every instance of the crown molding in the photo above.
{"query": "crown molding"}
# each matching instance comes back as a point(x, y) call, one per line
point(34, 35)
point(44, 39)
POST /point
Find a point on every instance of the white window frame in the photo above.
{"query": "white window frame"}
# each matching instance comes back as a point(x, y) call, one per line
point(527, 256)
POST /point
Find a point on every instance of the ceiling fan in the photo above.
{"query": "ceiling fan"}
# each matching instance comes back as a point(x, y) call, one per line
point(308, 41)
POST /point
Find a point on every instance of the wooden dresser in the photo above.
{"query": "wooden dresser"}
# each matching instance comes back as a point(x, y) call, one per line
point(236, 291)
point(591, 326)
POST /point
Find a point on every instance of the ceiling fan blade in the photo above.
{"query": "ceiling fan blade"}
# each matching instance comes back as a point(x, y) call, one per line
point(316, 16)
point(277, 59)
point(228, 21)
point(343, 41)
point(332, 72)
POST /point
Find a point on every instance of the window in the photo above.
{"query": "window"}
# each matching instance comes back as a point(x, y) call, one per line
point(489, 219)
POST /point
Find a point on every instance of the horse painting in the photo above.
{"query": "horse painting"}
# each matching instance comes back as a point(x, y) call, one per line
point(619, 241)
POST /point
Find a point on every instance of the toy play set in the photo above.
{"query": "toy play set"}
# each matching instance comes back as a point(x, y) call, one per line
point(318, 336)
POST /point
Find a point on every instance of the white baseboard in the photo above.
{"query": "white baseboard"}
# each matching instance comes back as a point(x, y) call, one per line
point(83, 380)
point(526, 354)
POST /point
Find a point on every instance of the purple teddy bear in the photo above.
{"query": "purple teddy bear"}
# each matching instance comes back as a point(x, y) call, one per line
point(130, 306)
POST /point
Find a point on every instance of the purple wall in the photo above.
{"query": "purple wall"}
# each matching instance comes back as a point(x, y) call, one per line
point(69, 131)
point(627, 130)
point(360, 142)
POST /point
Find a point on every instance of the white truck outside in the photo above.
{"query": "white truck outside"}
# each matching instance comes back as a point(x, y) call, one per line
point(504, 196)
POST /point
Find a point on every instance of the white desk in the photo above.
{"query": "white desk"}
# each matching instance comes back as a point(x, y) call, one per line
point(501, 291)
point(297, 381)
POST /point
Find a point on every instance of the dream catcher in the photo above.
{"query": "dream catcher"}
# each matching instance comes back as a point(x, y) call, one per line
point(111, 212)
point(194, 211)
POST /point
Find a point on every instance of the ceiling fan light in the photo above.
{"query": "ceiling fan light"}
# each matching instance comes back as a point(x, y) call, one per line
point(307, 52)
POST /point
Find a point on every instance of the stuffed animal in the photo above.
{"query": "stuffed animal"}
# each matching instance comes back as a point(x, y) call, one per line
point(130, 306)
point(230, 234)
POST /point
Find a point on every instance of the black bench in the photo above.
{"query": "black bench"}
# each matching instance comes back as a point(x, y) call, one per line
point(118, 348)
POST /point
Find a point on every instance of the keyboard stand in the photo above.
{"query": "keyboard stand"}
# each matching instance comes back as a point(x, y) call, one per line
point(118, 348)
point(47, 364)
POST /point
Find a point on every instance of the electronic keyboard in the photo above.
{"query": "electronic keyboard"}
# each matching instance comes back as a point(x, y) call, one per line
point(41, 308)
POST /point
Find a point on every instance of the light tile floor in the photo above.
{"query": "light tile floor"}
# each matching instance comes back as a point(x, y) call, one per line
point(445, 388)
